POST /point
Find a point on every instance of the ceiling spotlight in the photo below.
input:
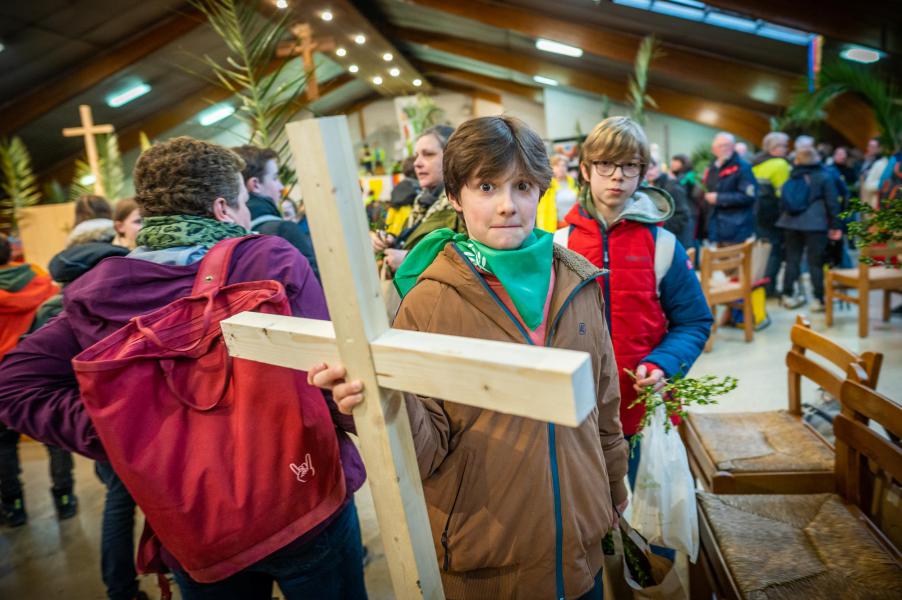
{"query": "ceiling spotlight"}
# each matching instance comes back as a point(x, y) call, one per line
point(127, 95)
point(2, 47)
point(216, 114)
point(861, 55)
point(353, 68)
point(394, 71)
point(360, 39)
point(377, 80)
point(326, 16)
point(417, 82)
point(88, 179)
point(558, 48)
point(387, 57)
point(283, 4)
point(544, 80)
point(341, 52)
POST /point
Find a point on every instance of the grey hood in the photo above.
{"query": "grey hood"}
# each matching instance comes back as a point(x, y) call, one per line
point(648, 204)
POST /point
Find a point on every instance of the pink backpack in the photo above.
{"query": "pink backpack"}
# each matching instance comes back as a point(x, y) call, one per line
point(229, 459)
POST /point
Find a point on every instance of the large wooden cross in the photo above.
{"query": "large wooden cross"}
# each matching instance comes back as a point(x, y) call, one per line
point(89, 130)
point(528, 381)
point(304, 48)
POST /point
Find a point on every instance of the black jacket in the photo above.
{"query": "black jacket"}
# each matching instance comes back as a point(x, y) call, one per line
point(265, 219)
point(680, 223)
point(733, 217)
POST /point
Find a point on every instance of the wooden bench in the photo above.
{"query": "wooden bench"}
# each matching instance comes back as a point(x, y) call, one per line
point(812, 546)
point(864, 278)
point(776, 452)
point(735, 263)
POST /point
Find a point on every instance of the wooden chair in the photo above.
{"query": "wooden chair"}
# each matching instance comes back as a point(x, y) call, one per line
point(864, 278)
point(776, 452)
point(735, 262)
point(812, 546)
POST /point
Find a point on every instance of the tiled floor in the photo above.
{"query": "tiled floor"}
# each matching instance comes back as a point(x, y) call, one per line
point(47, 559)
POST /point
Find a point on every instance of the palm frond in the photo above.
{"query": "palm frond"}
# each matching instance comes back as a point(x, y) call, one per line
point(649, 50)
point(841, 77)
point(19, 185)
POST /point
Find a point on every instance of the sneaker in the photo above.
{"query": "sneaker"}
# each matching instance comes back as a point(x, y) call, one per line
point(14, 512)
point(791, 302)
point(818, 306)
point(66, 504)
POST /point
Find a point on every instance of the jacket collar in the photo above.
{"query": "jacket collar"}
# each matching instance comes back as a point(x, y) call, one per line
point(452, 269)
point(260, 205)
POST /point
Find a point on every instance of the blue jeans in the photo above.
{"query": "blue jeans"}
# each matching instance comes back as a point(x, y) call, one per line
point(117, 539)
point(328, 567)
point(633, 470)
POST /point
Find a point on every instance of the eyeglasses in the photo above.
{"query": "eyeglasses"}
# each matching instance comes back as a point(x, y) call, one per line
point(606, 168)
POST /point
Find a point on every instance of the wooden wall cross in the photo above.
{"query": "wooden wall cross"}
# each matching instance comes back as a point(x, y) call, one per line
point(89, 130)
point(540, 383)
point(304, 47)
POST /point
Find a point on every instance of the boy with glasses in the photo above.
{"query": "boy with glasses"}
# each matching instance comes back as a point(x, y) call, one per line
point(656, 312)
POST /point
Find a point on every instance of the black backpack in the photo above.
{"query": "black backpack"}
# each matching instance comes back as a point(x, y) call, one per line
point(795, 197)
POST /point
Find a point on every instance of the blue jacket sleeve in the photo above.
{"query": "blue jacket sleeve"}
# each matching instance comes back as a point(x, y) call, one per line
point(744, 193)
point(689, 319)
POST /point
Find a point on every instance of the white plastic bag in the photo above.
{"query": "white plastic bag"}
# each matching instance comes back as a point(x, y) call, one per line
point(663, 506)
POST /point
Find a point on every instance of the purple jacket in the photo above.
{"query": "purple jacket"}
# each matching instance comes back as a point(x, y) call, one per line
point(38, 391)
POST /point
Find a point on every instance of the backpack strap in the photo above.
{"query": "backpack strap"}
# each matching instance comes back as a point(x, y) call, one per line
point(562, 236)
point(665, 245)
point(213, 271)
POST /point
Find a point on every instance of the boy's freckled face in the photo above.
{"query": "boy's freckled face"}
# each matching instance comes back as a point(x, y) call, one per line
point(499, 213)
point(612, 190)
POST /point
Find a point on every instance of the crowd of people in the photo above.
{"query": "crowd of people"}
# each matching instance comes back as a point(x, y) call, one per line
point(487, 237)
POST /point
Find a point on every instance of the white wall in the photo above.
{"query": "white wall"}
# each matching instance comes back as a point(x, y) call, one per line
point(565, 111)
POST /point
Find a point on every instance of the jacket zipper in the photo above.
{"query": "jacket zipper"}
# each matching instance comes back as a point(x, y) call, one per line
point(552, 447)
point(606, 265)
point(446, 563)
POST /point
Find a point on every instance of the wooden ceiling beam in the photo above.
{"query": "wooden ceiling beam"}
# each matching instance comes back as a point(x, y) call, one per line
point(446, 73)
point(752, 86)
point(749, 124)
point(44, 98)
point(173, 116)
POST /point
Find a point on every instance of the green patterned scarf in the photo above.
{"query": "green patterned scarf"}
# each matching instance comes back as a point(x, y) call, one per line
point(172, 231)
point(525, 273)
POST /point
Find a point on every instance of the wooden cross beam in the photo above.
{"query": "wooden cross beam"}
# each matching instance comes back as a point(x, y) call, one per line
point(304, 47)
point(89, 130)
point(540, 383)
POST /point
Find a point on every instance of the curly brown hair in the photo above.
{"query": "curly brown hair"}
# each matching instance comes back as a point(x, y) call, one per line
point(184, 176)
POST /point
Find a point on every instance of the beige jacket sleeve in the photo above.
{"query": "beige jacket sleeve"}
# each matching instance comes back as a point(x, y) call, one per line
point(613, 444)
point(429, 423)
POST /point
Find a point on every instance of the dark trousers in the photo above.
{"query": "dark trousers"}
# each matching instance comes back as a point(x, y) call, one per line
point(815, 244)
point(632, 472)
point(10, 485)
point(328, 567)
point(117, 539)
point(775, 236)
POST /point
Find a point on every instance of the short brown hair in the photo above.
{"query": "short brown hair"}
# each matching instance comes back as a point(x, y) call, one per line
point(123, 209)
point(617, 139)
point(255, 159)
point(184, 176)
point(488, 147)
point(92, 207)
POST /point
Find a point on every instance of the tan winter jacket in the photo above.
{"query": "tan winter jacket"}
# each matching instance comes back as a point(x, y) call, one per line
point(518, 507)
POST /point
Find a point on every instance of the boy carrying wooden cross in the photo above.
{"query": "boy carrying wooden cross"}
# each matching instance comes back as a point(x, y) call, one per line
point(517, 507)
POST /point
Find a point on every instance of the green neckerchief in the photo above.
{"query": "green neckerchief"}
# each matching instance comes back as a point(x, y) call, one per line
point(172, 231)
point(524, 273)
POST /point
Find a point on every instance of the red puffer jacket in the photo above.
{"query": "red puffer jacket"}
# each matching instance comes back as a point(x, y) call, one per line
point(656, 311)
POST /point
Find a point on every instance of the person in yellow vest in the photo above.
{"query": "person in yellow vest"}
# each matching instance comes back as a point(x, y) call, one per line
point(559, 198)
point(402, 197)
